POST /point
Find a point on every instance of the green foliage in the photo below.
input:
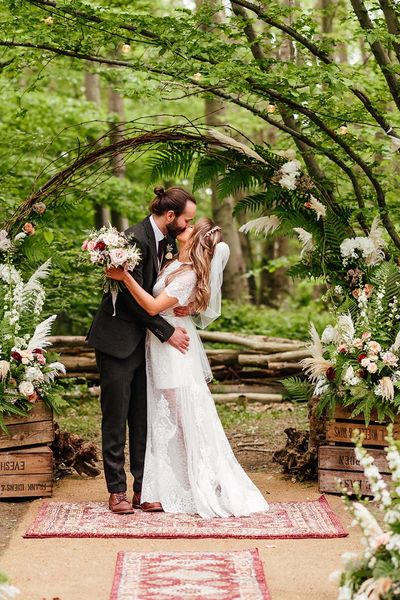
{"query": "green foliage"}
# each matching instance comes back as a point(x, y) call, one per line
point(292, 321)
point(297, 389)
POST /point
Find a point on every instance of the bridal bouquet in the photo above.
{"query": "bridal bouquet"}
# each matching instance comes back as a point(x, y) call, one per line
point(356, 361)
point(108, 247)
point(375, 574)
point(27, 373)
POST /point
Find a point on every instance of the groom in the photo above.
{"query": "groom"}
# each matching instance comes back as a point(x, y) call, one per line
point(119, 343)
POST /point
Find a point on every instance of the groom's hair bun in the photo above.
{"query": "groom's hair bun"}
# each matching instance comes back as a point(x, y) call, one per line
point(174, 198)
point(159, 190)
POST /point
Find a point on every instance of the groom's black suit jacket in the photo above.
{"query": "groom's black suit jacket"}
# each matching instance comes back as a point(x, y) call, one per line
point(120, 335)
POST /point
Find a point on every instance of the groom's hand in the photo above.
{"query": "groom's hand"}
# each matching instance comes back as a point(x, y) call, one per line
point(184, 311)
point(180, 340)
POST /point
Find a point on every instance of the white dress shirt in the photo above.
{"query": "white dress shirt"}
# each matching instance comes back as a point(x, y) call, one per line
point(158, 234)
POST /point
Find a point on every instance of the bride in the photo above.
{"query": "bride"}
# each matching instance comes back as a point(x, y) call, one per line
point(189, 465)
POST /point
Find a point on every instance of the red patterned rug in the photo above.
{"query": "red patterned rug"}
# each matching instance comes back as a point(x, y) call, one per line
point(189, 576)
point(93, 519)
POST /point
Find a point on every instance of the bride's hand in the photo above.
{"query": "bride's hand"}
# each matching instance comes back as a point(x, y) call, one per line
point(117, 273)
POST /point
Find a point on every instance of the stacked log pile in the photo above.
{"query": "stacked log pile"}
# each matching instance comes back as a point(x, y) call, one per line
point(250, 371)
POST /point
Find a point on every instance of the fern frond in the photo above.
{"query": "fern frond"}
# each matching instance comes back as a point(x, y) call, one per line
point(297, 389)
point(172, 160)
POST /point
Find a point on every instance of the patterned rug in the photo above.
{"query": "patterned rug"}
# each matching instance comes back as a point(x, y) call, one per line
point(189, 576)
point(313, 519)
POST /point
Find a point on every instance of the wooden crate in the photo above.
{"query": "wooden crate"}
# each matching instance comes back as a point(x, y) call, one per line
point(26, 472)
point(337, 460)
point(328, 481)
point(36, 428)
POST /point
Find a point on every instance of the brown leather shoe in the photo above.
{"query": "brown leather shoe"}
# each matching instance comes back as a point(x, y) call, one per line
point(118, 503)
point(145, 506)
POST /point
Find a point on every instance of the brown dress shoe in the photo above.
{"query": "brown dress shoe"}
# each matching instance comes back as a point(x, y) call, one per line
point(145, 506)
point(118, 503)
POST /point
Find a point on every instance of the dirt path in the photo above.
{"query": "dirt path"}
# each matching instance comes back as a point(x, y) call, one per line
point(82, 569)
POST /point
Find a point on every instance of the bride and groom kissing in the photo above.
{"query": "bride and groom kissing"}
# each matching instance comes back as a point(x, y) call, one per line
point(154, 371)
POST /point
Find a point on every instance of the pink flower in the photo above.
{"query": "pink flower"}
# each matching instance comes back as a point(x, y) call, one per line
point(91, 245)
point(374, 347)
point(365, 362)
point(372, 367)
point(390, 359)
point(366, 335)
point(382, 539)
point(342, 348)
point(40, 359)
point(85, 245)
point(358, 343)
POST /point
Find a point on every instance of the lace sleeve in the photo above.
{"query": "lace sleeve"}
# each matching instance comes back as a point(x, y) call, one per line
point(181, 287)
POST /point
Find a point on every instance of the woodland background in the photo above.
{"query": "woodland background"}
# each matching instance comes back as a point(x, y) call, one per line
point(317, 76)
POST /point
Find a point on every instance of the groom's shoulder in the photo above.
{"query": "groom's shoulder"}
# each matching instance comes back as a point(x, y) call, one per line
point(138, 231)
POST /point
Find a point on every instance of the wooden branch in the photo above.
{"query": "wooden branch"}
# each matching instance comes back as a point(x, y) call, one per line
point(381, 56)
point(243, 340)
point(264, 359)
point(249, 397)
point(392, 22)
point(151, 37)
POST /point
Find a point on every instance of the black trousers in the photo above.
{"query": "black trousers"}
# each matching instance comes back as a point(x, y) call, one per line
point(123, 401)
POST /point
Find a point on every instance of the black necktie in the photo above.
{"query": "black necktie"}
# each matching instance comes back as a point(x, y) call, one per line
point(161, 249)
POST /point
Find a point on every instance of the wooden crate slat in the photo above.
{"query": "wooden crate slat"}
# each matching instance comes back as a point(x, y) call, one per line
point(344, 458)
point(25, 486)
point(40, 412)
point(328, 481)
point(345, 413)
point(27, 461)
point(27, 434)
point(375, 434)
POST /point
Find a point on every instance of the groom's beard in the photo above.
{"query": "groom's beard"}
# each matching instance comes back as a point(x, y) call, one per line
point(174, 229)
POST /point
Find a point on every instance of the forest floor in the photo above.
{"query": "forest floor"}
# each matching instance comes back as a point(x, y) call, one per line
point(255, 432)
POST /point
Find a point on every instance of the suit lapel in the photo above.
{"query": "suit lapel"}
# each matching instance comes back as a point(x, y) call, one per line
point(152, 241)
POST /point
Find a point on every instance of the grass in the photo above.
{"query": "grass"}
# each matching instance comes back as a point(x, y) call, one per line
point(83, 417)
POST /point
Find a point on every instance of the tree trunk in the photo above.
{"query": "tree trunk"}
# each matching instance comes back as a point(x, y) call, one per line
point(116, 105)
point(102, 214)
point(236, 286)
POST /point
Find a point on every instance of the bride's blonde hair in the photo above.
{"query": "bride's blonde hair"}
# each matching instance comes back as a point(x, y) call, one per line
point(200, 250)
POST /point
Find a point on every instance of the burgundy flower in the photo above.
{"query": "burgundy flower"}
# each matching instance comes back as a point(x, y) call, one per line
point(100, 245)
point(16, 356)
point(363, 374)
point(361, 357)
point(330, 374)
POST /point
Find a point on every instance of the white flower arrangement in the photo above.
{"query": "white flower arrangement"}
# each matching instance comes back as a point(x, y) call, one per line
point(26, 374)
point(109, 248)
point(369, 248)
point(374, 574)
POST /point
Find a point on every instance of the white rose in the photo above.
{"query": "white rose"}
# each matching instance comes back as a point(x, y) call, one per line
point(365, 362)
point(4, 369)
point(26, 388)
point(118, 257)
point(34, 374)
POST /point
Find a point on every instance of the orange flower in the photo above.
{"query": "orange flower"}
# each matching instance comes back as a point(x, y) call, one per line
point(28, 228)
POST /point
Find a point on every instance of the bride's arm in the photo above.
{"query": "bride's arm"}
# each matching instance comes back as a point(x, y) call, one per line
point(153, 306)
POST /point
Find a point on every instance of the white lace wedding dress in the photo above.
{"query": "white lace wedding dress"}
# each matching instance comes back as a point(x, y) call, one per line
point(189, 465)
